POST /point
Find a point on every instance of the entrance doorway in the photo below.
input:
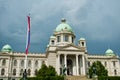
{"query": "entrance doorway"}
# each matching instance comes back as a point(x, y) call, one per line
point(69, 67)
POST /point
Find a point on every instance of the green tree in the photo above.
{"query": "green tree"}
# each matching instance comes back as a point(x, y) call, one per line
point(46, 71)
point(97, 69)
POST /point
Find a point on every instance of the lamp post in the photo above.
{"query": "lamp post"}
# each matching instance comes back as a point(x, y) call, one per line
point(25, 75)
point(94, 73)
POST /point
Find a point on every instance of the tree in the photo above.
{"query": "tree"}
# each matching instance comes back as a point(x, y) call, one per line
point(46, 71)
point(97, 69)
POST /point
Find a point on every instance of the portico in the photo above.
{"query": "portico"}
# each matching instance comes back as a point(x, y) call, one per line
point(74, 63)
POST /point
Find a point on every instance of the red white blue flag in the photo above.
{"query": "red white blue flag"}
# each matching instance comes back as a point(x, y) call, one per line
point(28, 35)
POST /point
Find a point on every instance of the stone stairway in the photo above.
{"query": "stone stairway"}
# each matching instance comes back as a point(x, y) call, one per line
point(77, 78)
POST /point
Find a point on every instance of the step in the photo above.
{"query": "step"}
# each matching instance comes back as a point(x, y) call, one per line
point(77, 78)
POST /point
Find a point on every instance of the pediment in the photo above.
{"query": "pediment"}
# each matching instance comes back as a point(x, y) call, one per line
point(69, 47)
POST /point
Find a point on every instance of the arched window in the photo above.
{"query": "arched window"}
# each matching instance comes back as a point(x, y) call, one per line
point(22, 63)
point(3, 72)
point(43, 62)
point(82, 43)
point(15, 63)
point(36, 71)
point(115, 72)
point(29, 72)
point(36, 63)
point(21, 72)
point(29, 63)
point(3, 62)
point(52, 42)
point(14, 72)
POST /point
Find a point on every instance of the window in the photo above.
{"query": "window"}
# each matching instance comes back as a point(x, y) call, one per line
point(66, 38)
point(114, 63)
point(29, 63)
point(15, 63)
point(82, 43)
point(36, 63)
point(115, 72)
point(88, 63)
point(21, 72)
point(3, 72)
point(43, 62)
point(105, 64)
point(29, 72)
point(22, 63)
point(72, 39)
point(4, 62)
point(36, 71)
point(52, 42)
point(14, 72)
point(58, 38)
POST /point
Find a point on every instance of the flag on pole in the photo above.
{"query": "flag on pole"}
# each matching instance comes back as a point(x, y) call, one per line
point(28, 36)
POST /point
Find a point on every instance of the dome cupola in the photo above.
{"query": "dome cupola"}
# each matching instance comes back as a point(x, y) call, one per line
point(109, 52)
point(63, 26)
point(6, 48)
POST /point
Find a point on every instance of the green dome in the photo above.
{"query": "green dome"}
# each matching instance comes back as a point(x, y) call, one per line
point(82, 38)
point(63, 26)
point(52, 37)
point(6, 48)
point(109, 52)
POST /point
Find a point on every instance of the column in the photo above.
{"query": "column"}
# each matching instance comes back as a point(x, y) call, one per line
point(65, 61)
point(58, 61)
point(77, 70)
point(83, 60)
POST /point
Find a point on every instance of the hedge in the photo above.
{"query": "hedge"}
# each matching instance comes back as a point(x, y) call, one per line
point(46, 78)
point(109, 78)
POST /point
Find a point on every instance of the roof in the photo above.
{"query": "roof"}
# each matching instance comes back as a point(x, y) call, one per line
point(82, 38)
point(6, 48)
point(63, 26)
point(109, 52)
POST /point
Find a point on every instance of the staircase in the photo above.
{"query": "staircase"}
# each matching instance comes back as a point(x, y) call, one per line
point(77, 78)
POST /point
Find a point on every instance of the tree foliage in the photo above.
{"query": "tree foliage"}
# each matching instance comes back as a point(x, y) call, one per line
point(46, 71)
point(98, 69)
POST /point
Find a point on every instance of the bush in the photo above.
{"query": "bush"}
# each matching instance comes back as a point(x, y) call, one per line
point(109, 78)
point(47, 78)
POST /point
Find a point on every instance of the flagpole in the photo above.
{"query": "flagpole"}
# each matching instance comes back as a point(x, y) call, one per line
point(27, 47)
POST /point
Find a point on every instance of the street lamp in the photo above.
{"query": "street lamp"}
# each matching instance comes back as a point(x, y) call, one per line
point(25, 75)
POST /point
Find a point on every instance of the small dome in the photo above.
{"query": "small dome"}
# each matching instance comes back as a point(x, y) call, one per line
point(6, 48)
point(109, 52)
point(82, 38)
point(63, 26)
point(52, 37)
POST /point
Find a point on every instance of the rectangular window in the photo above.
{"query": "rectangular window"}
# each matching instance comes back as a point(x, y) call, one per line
point(66, 38)
point(114, 63)
point(105, 64)
point(58, 38)
point(72, 39)
point(88, 63)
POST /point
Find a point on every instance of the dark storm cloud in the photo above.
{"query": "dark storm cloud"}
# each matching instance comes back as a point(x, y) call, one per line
point(96, 20)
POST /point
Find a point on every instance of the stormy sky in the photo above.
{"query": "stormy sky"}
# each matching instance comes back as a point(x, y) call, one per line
point(98, 21)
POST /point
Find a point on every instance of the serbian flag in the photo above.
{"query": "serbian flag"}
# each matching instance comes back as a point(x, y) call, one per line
point(28, 36)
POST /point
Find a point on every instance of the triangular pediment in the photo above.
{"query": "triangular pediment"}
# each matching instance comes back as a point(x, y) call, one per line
point(69, 47)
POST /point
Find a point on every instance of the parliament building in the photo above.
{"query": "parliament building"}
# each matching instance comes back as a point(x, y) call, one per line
point(61, 51)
